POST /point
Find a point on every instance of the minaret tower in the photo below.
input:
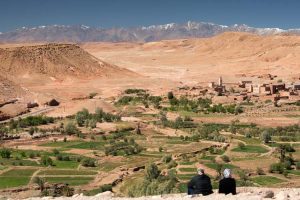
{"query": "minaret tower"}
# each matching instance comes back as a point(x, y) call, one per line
point(220, 81)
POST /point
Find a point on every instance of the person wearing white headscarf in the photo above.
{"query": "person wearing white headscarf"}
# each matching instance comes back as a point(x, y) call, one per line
point(227, 185)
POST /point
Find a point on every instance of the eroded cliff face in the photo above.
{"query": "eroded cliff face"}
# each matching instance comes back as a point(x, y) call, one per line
point(243, 194)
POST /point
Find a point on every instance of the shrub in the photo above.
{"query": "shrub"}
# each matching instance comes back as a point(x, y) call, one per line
point(244, 179)
point(167, 158)
point(23, 154)
point(241, 145)
point(92, 95)
point(105, 187)
point(82, 116)
point(276, 167)
point(88, 162)
point(31, 155)
point(266, 137)
point(260, 171)
point(160, 149)
point(40, 182)
point(248, 135)
point(170, 95)
point(298, 165)
point(172, 164)
point(225, 158)
point(71, 129)
point(55, 151)
point(152, 172)
point(5, 153)
point(31, 131)
point(287, 165)
point(47, 161)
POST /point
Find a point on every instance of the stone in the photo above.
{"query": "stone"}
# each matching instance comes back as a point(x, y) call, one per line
point(268, 194)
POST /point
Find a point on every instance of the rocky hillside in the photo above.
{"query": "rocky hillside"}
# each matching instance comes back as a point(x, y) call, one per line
point(81, 33)
point(245, 194)
point(54, 60)
point(9, 90)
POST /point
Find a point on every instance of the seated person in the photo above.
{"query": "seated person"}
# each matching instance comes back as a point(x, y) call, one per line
point(200, 184)
point(227, 185)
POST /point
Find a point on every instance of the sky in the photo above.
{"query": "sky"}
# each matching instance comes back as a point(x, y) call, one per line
point(130, 13)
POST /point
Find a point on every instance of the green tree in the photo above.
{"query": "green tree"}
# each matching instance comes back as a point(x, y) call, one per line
point(152, 172)
point(266, 137)
point(170, 95)
point(47, 161)
point(40, 182)
point(71, 128)
point(5, 153)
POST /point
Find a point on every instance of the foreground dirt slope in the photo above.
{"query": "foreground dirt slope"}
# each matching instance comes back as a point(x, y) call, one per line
point(230, 55)
point(245, 194)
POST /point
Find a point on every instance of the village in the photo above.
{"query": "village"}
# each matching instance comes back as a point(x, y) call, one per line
point(277, 92)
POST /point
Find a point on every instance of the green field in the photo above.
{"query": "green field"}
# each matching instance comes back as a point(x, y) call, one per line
point(15, 178)
point(267, 180)
point(186, 176)
point(187, 163)
point(76, 145)
point(294, 172)
point(251, 149)
point(17, 162)
point(188, 170)
point(66, 172)
point(66, 164)
point(226, 165)
point(72, 181)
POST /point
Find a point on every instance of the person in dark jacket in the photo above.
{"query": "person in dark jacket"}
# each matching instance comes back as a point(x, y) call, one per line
point(200, 184)
point(227, 185)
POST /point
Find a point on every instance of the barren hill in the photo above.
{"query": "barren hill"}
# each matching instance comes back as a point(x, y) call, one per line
point(229, 54)
point(54, 60)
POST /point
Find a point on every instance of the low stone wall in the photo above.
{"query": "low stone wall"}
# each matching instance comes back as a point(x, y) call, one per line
point(243, 194)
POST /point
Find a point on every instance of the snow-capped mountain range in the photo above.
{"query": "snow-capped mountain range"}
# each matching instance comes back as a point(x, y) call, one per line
point(82, 33)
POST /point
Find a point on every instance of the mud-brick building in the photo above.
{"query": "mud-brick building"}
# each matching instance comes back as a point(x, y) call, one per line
point(275, 88)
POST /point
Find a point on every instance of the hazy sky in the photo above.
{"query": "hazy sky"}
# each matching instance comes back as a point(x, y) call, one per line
point(124, 13)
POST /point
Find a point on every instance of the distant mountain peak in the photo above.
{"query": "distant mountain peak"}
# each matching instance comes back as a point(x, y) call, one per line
point(83, 33)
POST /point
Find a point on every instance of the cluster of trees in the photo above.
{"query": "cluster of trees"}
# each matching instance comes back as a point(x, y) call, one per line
point(285, 162)
point(285, 134)
point(219, 108)
point(84, 118)
point(125, 147)
point(30, 121)
point(154, 183)
point(210, 132)
point(201, 105)
point(135, 91)
point(142, 97)
point(179, 122)
point(183, 103)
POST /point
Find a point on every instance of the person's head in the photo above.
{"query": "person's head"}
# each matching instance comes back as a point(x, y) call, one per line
point(227, 173)
point(200, 171)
